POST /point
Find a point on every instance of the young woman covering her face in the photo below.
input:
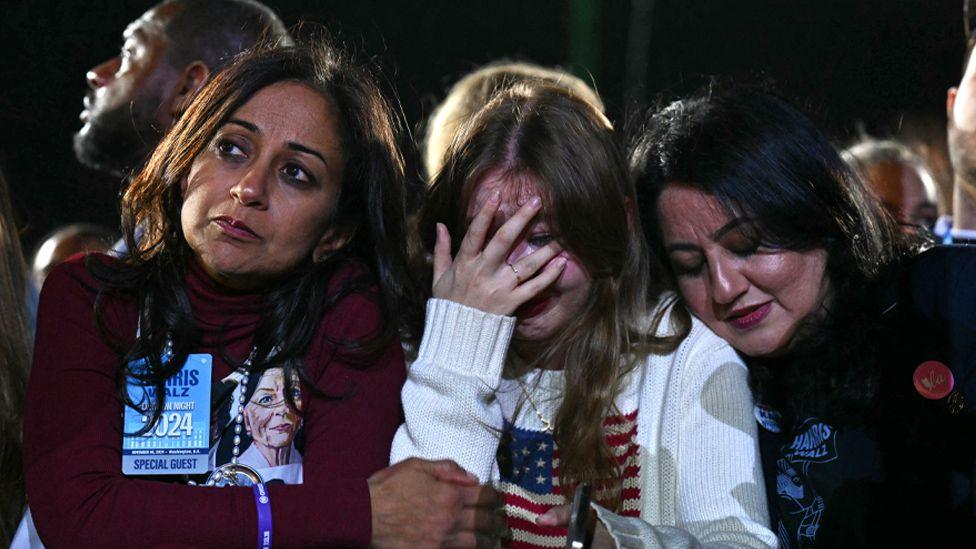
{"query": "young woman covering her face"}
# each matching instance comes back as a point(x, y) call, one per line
point(778, 248)
point(273, 236)
point(546, 361)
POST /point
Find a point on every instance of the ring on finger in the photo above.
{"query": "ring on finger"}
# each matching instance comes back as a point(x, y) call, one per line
point(518, 279)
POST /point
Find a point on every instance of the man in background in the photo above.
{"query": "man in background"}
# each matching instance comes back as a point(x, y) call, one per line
point(167, 55)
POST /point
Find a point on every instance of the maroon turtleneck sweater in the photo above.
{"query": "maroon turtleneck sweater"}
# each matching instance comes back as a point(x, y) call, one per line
point(73, 428)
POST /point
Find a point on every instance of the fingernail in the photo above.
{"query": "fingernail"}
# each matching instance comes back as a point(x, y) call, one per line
point(496, 196)
point(561, 263)
point(544, 520)
point(535, 201)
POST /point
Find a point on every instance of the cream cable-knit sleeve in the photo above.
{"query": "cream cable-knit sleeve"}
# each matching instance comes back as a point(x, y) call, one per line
point(715, 475)
point(448, 399)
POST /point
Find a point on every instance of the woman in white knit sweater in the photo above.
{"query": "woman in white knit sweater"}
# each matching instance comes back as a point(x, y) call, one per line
point(546, 361)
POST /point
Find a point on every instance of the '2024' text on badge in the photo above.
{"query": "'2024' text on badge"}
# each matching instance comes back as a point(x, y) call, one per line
point(180, 441)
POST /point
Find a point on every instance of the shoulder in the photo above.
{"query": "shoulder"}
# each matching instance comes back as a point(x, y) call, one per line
point(69, 296)
point(357, 313)
point(702, 363)
point(940, 282)
point(351, 331)
point(700, 345)
point(75, 276)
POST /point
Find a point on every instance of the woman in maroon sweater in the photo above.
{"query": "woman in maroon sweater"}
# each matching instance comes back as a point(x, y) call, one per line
point(270, 260)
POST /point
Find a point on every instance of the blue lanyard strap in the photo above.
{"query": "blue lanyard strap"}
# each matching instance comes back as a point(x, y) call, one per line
point(263, 502)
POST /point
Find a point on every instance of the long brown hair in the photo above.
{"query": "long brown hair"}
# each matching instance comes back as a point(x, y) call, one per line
point(15, 353)
point(545, 133)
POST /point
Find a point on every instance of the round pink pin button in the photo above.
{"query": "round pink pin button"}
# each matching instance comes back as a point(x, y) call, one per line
point(933, 380)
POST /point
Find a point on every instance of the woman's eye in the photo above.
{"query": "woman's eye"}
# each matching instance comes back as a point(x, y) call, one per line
point(265, 400)
point(540, 240)
point(745, 250)
point(295, 172)
point(681, 270)
point(741, 243)
point(229, 149)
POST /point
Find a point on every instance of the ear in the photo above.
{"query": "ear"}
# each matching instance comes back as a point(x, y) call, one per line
point(191, 79)
point(951, 101)
point(335, 238)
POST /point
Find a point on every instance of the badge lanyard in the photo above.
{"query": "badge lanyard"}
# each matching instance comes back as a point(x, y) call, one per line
point(179, 444)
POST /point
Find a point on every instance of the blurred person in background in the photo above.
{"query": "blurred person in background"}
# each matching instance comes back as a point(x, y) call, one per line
point(66, 242)
point(471, 92)
point(167, 55)
point(899, 179)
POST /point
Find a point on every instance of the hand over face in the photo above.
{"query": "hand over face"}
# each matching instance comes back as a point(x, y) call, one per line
point(480, 276)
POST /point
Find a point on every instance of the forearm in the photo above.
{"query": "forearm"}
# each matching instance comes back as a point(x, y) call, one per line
point(447, 399)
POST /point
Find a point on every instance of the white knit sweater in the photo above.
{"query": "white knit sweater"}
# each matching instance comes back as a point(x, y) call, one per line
point(700, 474)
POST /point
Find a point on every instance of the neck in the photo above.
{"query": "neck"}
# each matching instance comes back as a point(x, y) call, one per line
point(963, 205)
point(530, 352)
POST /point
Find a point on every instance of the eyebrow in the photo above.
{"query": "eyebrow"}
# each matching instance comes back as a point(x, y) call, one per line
point(291, 144)
point(715, 236)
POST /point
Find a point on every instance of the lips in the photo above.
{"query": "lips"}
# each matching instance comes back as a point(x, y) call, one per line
point(236, 228)
point(534, 307)
point(745, 318)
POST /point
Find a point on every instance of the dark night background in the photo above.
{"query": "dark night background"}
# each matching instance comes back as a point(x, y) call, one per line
point(847, 61)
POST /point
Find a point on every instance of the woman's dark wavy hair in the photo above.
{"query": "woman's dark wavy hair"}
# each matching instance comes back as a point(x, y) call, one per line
point(370, 207)
point(538, 132)
point(763, 159)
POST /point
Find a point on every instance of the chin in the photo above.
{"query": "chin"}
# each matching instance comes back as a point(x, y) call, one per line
point(758, 345)
point(529, 331)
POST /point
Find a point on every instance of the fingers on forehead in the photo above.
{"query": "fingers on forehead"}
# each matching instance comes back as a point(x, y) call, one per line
point(515, 190)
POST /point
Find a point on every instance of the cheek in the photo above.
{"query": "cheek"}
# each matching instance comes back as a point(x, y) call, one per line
point(196, 199)
point(255, 418)
point(794, 279)
point(696, 297)
point(964, 111)
point(302, 221)
point(574, 277)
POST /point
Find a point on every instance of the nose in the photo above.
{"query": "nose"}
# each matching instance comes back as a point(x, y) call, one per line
point(251, 189)
point(100, 75)
point(727, 281)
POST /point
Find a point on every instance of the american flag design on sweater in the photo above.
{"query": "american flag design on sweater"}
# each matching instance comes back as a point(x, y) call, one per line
point(528, 462)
